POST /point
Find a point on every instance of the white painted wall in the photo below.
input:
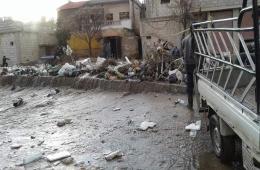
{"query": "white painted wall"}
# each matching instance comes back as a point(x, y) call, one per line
point(29, 47)
point(8, 50)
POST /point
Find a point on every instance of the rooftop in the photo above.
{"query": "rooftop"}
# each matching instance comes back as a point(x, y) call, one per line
point(72, 5)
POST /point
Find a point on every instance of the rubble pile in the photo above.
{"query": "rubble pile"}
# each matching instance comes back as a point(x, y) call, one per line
point(110, 69)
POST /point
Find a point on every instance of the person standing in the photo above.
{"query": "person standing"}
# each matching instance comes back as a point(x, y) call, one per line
point(190, 65)
point(5, 64)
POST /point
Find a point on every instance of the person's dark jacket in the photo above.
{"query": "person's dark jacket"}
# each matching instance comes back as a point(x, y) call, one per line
point(188, 50)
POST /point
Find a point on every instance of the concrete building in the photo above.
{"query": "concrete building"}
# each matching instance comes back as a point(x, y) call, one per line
point(22, 43)
point(120, 30)
point(159, 23)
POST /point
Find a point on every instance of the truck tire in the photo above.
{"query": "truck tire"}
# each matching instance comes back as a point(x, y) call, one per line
point(224, 146)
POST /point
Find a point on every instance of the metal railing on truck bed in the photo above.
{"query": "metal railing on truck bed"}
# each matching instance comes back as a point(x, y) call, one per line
point(227, 59)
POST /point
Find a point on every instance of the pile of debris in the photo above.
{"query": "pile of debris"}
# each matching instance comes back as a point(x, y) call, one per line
point(110, 69)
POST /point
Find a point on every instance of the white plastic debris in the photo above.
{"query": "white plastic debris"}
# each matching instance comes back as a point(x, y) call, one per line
point(178, 74)
point(58, 156)
point(100, 62)
point(194, 126)
point(127, 60)
point(145, 125)
point(113, 155)
point(68, 51)
point(66, 69)
point(180, 101)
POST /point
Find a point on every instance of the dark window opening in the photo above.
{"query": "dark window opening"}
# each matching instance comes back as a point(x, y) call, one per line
point(148, 37)
point(123, 15)
point(165, 1)
point(12, 43)
point(109, 17)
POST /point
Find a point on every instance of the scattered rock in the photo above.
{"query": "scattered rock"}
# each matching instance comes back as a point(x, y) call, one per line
point(64, 122)
point(56, 163)
point(131, 110)
point(44, 114)
point(33, 137)
point(58, 156)
point(53, 92)
point(130, 122)
point(116, 109)
point(40, 142)
point(16, 146)
point(32, 158)
point(145, 125)
point(180, 101)
point(67, 161)
point(113, 155)
point(34, 95)
point(102, 141)
point(44, 104)
point(175, 116)
point(18, 102)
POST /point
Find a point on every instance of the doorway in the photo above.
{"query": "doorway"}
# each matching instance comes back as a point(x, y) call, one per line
point(112, 47)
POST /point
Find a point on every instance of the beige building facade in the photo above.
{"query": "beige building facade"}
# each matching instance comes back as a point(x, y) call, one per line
point(121, 27)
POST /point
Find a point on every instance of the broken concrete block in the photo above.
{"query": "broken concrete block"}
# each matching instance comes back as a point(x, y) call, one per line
point(145, 125)
point(114, 155)
point(116, 109)
point(18, 102)
point(16, 146)
point(193, 133)
point(53, 92)
point(194, 126)
point(32, 158)
point(67, 161)
point(64, 122)
point(58, 156)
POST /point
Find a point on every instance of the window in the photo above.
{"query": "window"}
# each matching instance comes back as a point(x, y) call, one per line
point(109, 17)
point(123, 15)
point(11, 43)
point(165, 1)
point(148, 37)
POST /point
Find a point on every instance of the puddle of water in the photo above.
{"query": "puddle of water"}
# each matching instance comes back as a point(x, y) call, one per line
point(210, 161)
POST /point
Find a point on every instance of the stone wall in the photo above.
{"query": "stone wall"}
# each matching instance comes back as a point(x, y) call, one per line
point(89, 83)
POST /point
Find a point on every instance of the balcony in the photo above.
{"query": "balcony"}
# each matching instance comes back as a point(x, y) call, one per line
point(117, 24)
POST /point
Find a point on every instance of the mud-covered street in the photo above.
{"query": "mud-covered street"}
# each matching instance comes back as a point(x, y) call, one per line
point(100, 122)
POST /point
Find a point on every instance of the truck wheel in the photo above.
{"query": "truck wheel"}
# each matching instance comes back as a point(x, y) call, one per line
point(224, 146)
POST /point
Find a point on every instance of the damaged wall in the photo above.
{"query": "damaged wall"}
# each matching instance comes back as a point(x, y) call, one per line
point(163, 28)
point(130, 47)
point(9, 47)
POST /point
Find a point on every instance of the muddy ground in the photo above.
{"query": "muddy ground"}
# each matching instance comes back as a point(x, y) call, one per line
point(96, 129)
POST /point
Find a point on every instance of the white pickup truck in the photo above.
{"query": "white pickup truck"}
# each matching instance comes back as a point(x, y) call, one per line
point(227, 83)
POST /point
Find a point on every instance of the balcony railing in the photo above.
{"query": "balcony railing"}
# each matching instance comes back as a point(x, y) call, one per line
point(118, 24)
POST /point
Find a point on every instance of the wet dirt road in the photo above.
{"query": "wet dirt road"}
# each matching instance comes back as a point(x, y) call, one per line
point(96, 129)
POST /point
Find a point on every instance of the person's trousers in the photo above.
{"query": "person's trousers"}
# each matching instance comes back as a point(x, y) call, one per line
point(190, 82)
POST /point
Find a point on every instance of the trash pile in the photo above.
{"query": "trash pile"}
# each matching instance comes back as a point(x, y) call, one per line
point(110, 69)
